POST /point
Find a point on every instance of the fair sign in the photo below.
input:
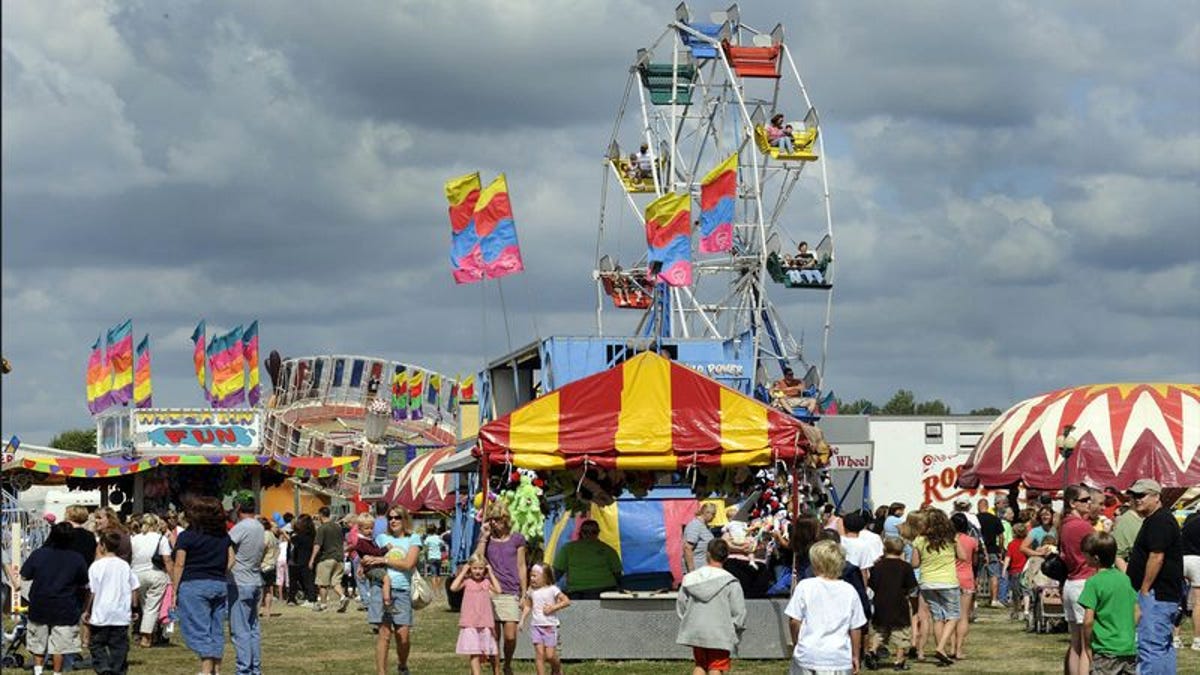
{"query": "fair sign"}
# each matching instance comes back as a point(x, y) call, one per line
point(852, 457)
point(200, 429)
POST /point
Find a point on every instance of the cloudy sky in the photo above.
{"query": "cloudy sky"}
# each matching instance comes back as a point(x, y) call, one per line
point(1015, 184)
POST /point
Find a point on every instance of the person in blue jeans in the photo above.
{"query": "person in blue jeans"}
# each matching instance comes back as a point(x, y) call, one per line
point(204, 556)
point(245, 587)
point(1155, 569)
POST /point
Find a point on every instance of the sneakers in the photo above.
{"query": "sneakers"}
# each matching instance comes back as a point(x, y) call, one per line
point(1196, 644)
point(320, 607)
point(903, 665)
point(343, 605)
point(1177, 643)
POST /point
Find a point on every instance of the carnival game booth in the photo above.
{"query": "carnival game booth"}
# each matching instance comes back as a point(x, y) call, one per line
point(1101, 435)
point(628, 428)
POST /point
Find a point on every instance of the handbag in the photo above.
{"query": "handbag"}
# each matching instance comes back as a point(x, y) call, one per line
point(422, 592)
point(156, 559)
point(1055, 567)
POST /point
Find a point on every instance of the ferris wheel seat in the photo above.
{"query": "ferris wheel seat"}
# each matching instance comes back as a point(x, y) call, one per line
point(631, 184)
point(803, 141)
point(625, 293)
point(665, 81)
point(753, 61)
point(797, 278)
point(701, 49)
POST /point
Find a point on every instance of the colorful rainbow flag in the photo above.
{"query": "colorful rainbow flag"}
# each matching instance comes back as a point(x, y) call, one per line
point(400, 394)
point(142, 388)
point(466, 392)
point(416, 385)
point(718, 194)
point(669, 237)
point(227, 358)
point(120, 359)
point(466, 256)
point(497, 231)
point(452, 401)
point(250, 350)
point(198, 355)
point(434, 398)
point(98, 380)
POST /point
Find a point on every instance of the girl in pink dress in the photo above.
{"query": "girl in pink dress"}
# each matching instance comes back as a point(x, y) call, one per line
point(476, 623)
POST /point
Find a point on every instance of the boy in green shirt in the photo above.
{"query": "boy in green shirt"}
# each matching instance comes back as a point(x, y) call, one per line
point(1110, 610)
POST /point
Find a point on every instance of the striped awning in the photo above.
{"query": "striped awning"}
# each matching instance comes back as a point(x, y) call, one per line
point(110, 467)
point(648, 413)
point(417, 488)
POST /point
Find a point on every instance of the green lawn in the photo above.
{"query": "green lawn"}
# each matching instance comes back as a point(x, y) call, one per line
point(303, 641)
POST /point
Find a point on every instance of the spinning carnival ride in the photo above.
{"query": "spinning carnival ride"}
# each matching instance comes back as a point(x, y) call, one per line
point(696, 96)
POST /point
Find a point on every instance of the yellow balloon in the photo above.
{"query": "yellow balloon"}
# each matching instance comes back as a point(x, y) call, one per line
point(478, 500)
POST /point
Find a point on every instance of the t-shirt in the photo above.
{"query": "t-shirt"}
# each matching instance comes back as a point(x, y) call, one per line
point(891, 526)
point(1125, 530)
point(539, 599)
point(112, 583)
point(249, 546)
point(1159, 534)
point(892, 579)
point(874, 544)
point(502, 556)
point(858, 552)
point(329, 538)
point(1038, 534)
point(270, 551)
point(1191, 535)
point(400, 545)
point(1016, 559)
point(827, 609)
point(206, 556)
point(58, 575)
point(589, 564)
point(992, 531)
point(1074, 530)
point(963, 569)
point(433, 547)
point(937, 567)
point(84, 543)
point(1109, 594)
point(380, 526)
point(145, 547)
point(697, 534)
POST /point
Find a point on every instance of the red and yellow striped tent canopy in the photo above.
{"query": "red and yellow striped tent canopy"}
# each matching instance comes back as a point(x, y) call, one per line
point(649, 414)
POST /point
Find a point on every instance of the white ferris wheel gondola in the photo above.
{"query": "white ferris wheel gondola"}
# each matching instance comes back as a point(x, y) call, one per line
point(703, 92)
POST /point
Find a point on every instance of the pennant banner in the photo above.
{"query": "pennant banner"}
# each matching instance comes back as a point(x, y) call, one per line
point(98, 380)
point(120, 359)
point(718, 194)
point(416, 386)
point(466, 257)
point(142, 388)
point(466, 392)
point(226, 356)
point(250, 350)
point(198, 356)
point(497, 231)
point(400, 394)
point(669, 238)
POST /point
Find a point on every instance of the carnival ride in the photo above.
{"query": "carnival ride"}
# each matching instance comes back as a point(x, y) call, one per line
point(701, 92)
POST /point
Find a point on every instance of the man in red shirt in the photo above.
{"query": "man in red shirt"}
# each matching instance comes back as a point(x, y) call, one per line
point(1075, 527)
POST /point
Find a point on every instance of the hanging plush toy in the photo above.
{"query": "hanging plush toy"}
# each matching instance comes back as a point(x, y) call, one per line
point(524, 505)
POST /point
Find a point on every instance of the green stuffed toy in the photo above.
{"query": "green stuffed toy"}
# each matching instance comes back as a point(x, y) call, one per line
point(524, 505)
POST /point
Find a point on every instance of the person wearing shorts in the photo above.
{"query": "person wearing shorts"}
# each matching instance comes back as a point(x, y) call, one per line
point(327, 557)
point(1190, 534)
point(56, 574)
point(1073, 530)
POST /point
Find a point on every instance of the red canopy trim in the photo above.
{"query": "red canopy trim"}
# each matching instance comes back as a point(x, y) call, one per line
point(417, 488)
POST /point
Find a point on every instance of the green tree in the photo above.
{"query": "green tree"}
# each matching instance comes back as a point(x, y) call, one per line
point(986, 411)
point(934, 408)
point(76, 440)
point(902, 403)
point(860, 407)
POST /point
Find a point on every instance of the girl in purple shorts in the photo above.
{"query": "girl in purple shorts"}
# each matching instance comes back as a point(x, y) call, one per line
point(476, 626)
point(542, 602)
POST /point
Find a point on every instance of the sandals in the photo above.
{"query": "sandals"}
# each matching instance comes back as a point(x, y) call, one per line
point(942, 659)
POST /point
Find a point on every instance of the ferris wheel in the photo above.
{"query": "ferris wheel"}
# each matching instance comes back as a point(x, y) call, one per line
point(700, 95)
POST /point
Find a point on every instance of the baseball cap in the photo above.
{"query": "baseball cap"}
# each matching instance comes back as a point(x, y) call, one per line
point(1145, 486)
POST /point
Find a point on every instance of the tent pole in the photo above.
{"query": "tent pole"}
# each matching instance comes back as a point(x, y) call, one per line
point(483, 487)
point(791, 522)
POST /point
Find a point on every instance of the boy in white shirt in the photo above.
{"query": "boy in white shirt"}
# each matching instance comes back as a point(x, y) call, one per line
point(826, 617)
point(110, 604)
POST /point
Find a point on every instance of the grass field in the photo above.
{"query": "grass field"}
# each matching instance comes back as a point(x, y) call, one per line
point(301, 641)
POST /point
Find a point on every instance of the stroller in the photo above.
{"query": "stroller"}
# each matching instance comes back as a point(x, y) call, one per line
point(14, 642)
point(1046, 613)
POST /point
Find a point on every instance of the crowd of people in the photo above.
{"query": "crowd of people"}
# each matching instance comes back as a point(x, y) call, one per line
point(872, 589)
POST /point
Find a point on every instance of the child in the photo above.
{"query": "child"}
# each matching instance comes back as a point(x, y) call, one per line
point(110, 606)
point(365, 546)
point(736, 529)
point(543, 600)
point(1014, 564)
point(476, 626)
point(893, 581)
point(826, 615)
point(712, 612)
point(1110, 610)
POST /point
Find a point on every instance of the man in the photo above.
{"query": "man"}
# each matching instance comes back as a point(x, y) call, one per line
point(326, 560)
point(992, 531)
point(58, 577)
point(1125, 530)
point(790, 394)
point(1191, 570)
point(1075, 527)
point(644, 163)
point(591, 565)
point(1156, 571)
point(245, 587)
point(963, 505)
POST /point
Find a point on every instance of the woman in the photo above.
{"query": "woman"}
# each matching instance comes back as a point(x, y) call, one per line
point(696, 535)
point(303, 537)
point(966, 580)
point(1045, 526)
point(506, 551)
point(779, 136)
point(394, 618)
point(832, 521)
point(267, 566)
point(203, 558)
point(935, 553)
point(107, 519)
point(153, 567)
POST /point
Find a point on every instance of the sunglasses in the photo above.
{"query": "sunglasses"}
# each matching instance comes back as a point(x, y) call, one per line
point(1084, 499)
point(395, 517)
point(1135, 495)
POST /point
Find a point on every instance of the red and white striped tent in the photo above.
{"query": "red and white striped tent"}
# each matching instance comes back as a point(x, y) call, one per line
point(1122, 431)
point(417, 488)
